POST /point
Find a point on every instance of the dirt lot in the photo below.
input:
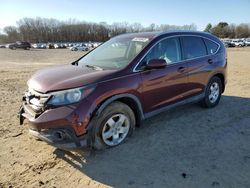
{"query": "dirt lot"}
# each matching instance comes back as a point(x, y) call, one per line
point(186, 147)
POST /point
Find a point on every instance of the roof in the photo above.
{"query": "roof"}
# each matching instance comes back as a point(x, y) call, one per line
point(149, 35)
point(152, 35)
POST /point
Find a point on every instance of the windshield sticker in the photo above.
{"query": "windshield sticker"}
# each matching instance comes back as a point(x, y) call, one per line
point(140, 39)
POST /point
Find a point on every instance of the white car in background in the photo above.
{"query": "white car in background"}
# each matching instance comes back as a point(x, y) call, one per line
point(56, 46)
point(80, 47)
point(247, 42)
point(238, 42)
point(39, 46)
point(96, 44)
point(59, 45)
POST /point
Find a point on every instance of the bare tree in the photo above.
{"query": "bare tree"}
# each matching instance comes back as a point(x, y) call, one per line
point(12, 33)
point(51, 30)
point(242, 31)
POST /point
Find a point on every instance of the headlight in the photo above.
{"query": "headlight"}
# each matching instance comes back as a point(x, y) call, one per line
point(68, 96)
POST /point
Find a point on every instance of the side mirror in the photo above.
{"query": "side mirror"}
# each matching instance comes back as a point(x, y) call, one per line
point(156, 64)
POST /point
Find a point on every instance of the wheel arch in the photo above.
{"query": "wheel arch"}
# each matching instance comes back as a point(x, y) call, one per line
point(221, 76)
point(129, 99)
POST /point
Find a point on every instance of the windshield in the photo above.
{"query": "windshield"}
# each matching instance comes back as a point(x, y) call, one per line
point(115, 53)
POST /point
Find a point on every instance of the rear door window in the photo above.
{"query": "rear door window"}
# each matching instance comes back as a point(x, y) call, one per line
point(193, 47)
point(212, 47)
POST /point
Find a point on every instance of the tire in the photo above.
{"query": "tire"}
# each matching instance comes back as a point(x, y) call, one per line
point(212, 99)
point(113, 113)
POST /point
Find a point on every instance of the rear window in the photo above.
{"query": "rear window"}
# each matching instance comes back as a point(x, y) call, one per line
point(212, 47)
point(193, 47)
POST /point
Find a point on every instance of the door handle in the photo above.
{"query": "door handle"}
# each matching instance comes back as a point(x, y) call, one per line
point(210, 61)
point(181, 69)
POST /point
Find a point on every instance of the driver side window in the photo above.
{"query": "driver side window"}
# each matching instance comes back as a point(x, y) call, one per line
point(168, 49)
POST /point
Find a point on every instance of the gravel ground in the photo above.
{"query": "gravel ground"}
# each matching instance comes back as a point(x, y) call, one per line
point(186, 147)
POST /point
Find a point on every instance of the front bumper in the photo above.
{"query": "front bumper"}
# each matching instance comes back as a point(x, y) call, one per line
point(62, 138)
point(60, 127)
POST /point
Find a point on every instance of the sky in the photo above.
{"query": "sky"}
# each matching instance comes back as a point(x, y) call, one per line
point(177, 12)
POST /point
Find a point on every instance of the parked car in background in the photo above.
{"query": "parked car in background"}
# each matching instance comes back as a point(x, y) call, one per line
point(96, 44)
point(99, 99)
point(247, 42)
point(59, 45)
point(228, 44)
point(56, 46)
point(39, 46)
point(238, 42)
point(50, 46)
point(80, 47)
point(2, 46)
point(35, 45)
point(20, 45)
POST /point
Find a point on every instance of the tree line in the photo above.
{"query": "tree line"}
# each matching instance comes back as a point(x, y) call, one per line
point(51, 30)
point(225, 30)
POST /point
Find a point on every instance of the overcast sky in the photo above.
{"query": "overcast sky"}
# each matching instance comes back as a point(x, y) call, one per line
point(142, 11)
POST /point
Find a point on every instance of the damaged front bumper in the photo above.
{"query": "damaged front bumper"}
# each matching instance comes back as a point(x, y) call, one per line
point(62, 138)
point(55, 127)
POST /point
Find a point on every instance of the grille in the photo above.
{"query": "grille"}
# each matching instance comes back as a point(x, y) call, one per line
point(37, 101)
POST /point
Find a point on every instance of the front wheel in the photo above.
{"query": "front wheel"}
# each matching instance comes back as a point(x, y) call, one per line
point(212, 93)
point(114, 124)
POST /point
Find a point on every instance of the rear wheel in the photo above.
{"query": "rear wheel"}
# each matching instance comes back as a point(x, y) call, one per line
point(212, 93)
point(114, 124)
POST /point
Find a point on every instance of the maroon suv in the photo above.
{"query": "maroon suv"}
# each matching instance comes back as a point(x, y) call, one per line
point(99, 99)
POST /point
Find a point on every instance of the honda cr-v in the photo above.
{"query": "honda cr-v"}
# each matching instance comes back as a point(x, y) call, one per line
point(99, 99)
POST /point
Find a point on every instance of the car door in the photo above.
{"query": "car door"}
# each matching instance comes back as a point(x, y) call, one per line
point(200, 61)
point(166, 85)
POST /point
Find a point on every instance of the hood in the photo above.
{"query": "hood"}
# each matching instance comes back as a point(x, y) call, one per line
point(65, 77)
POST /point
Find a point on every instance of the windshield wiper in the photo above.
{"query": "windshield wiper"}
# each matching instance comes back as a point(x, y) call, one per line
point(75, 63)
point(94, 67)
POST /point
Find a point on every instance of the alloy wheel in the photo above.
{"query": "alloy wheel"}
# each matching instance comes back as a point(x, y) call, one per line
point(115, 129)
point(214, 92)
